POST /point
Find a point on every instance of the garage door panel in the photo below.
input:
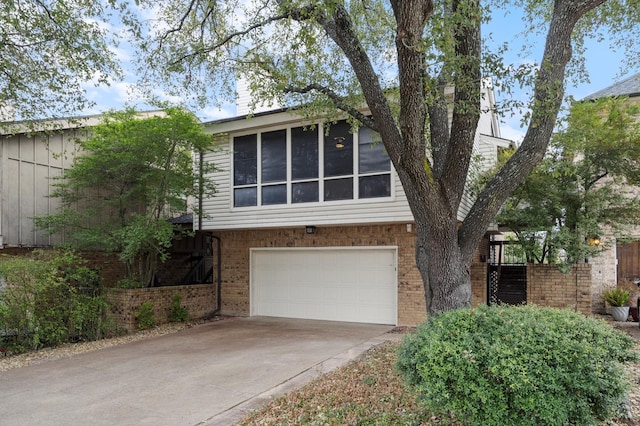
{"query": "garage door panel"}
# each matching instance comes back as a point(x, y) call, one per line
point(337, 284)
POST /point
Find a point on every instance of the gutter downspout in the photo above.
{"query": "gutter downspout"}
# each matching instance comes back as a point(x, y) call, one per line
point(219, 274)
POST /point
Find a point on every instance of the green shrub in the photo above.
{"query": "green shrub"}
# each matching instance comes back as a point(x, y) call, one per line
point(518, 366)
point(146, 318)
point(178, 312)
point(616, 296)
point(129, 283)
point(49, 298)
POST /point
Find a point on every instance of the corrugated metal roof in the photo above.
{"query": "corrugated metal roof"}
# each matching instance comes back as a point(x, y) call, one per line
point(627, 87)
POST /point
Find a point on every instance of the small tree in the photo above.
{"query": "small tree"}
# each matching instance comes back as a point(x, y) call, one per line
point(586, 186)
point(137, 174)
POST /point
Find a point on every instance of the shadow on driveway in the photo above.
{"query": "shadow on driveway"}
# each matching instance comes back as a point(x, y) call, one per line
point(210, 374)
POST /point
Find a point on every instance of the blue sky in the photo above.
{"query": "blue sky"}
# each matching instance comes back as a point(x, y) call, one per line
point(603, 65)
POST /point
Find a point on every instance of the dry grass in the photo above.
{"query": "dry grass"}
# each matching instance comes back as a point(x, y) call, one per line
point(368, 391)
point(364, 392)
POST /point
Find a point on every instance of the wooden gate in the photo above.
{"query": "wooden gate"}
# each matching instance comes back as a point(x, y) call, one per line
point(507, 275)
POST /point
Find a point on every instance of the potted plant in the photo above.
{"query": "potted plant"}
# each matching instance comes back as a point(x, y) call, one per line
point(632, 286)
point(617, 298)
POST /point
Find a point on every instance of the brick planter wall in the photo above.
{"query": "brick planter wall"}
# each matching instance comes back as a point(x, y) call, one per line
point(548, 286)
point(200, 300)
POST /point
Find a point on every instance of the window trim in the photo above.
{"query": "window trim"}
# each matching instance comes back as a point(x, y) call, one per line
point(320, 129)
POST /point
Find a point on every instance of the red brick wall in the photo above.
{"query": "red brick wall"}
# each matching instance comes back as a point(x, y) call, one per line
point(546, 286)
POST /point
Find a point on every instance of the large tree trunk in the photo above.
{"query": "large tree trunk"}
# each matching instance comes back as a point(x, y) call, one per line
point(444, 271)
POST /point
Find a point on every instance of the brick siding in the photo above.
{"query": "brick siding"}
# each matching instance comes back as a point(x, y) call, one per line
point(548, 286)
point(235, 260)
point(200, 301)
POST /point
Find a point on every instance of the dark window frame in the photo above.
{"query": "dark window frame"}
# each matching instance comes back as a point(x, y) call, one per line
point(339, 181)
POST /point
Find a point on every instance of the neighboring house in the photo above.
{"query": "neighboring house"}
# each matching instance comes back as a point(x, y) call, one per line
point(622, 260)
point(32, 155)
point(313, 221)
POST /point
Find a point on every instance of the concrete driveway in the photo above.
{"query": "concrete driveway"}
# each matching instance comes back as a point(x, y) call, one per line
point(210, 374)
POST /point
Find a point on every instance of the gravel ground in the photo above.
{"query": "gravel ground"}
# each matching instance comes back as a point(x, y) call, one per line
point(71, 349)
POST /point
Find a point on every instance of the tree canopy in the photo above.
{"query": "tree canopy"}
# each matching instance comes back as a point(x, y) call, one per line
point(136, 175)
point(586, 187)
point(50, 50)
point(418, 66)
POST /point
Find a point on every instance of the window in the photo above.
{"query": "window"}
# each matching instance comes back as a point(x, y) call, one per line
point(245, 176)
point(273, 156)
point(374, 166)
point(306, 165)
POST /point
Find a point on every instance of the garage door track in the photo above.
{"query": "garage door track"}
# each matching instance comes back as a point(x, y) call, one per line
point(210, 374)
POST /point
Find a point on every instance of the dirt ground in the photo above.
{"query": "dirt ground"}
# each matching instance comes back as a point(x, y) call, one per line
point(631, 327)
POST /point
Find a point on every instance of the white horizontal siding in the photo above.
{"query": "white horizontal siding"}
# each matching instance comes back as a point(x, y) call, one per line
point(220, 214)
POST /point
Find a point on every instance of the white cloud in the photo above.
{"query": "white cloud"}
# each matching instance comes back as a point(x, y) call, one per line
point(511, 133)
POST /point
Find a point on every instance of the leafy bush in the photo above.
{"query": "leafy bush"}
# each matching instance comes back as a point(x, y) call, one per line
point(49, 298)
point(129, 283)
point(146, 318)
point(178, 312)
point(518, 366)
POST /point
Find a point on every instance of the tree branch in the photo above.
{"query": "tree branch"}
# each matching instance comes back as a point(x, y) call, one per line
point(466, 112)
point(340, 29)
point(298, 14)
point(180, 25)
point(337, 100)
point(548, 95)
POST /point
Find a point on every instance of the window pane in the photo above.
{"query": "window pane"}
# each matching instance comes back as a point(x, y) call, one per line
point(375, 186)
point(243, 197)
point(274, 156)
point(338, 189)
point(338, 150)
point(304, 153)
point(304, 192)
point(245, 162)
point(274, 194)
point(373, 157)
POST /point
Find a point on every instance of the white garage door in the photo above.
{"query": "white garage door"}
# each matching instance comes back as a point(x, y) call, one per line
point(337, 284)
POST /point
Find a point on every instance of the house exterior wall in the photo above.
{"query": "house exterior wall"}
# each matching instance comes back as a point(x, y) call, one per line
point(604, 274)
point(220, 213)
point(478, 284)
point(236, 268)
point(29, 163)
